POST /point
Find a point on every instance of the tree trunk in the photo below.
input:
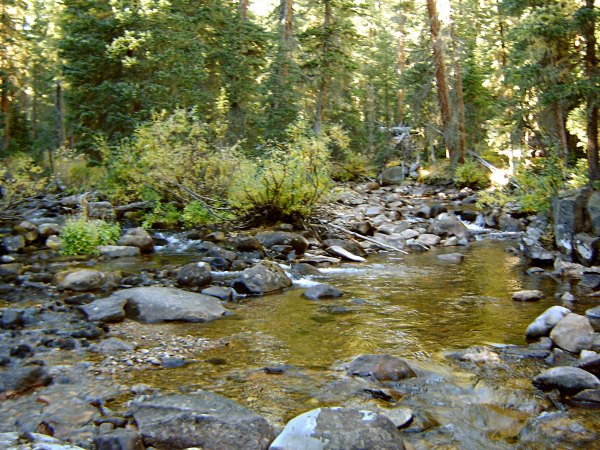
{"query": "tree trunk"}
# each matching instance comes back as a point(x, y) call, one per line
point(591, 63)
point(4, 109)
point(325, 77)
point(462, 138)
point(59, 121)
point(243, 8)
point(440, 73)
point(287, 15)
point(401, 66)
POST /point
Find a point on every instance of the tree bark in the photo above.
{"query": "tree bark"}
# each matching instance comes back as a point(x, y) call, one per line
point(287, 36)
point(462, 134)
point(243, 8)
point(440, 73)
point(5, 110)
point(401, 66)
point(591, 63)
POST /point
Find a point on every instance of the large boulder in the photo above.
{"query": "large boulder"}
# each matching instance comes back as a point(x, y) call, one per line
point(446, 225)
point(593, 212)
point(568, 210)
point(271, 238)
point(83, 280)
point(593, 315)
point(320, 291)
point(261, 279)
point(339, 428)
point(137, 237)
point(585, 248)
point(532, 247)
point(162, 304)
point(201, 419)
point(568, 380)
point(393, 175)
point(380, 368)
point(573, 333)
point(194, 275)
point(528, 295)
point(105, 310)
point(544, 323)
point(17, 379)
point(12, 244)
point(100, 210)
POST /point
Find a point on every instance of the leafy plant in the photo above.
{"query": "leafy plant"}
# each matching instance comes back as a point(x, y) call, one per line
point(163, 216)
point(20, 177)
point(471, 175)
point(81, 236)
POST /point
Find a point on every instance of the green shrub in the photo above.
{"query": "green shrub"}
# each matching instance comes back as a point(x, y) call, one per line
point(75, 171)
point(288, 183)
point(163, 216)
point(195, 213)
point(20, 177)
point(439, 172)
point(82, 236)
point(471, 175)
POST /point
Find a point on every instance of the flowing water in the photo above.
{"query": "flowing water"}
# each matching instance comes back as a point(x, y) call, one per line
point(415, 307)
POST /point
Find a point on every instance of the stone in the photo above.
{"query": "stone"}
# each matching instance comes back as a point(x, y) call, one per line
point(365, 228)
point(573, 333)
point(593, 315)
point(201, 419)
point(510, 224)
point(590, 364)
point(344, 254)
point(113, 345)
point(543, 324)
point(247, 244)
point(428, 239)
point(401, 417)
point(271, 238)
point(137, 237)
point(83, 280)
point(339, 428)
point(53, 243)
point(380, 368)
point(100, 210)
point(107, 310)
point(224, 294)
point(303, 269)
point(12, 244)
point(162, 304)
point(593, 212)
point(12, 318)
point(28, 230)
point(263, 278)
point(447, 225)
point(118, 251)
point(588, 396)
point(18, 379)
point(437, 209)
point(451, 257)
point(568, 380)
point(11, 270)
point(409, 234)
point(48, 229)
point(567, 297)
point(119, 439)
point(34, 441)
point(528, 296)
point(321, 291)
point(194, 275)
point(590, 280)
point(393, 175)
point(568, 211)
point(349, 245)
point(585, 248)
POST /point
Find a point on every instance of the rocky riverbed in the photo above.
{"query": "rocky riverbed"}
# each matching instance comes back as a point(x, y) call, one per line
point(94, 356)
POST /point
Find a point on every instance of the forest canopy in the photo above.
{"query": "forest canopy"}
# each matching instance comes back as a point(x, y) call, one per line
point(101, 94)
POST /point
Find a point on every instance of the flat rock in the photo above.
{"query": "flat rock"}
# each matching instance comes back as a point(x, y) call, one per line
point(568, 380)
point(573, 333)
point(83, 280)
point(201, 419)
point(110, 309)
point(451, 257)
point(17, 379)
point(544, 323)
point(322, 291)
point(339, 428)
point(118, 251)
point(162, 304)
point(528, 296)
point(588, 396)
point(380, 368)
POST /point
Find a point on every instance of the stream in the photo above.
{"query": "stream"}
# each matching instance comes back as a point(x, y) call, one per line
point(282, 355)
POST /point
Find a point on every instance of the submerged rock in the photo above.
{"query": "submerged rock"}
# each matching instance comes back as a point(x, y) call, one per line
point(380, 368)
point(322, 291)
point(201, 419)
point(528, 296)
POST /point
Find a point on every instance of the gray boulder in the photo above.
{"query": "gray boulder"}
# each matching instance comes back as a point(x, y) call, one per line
point(568, 210)
point(224, 294)
point(593, 315)
point(194, 275)
point(83, 280)
point(380, 368)
point(138, 237)
point(528, 295)
point(393, 175)
point(322, 291)
point(118, 251)
point(271, 238)
point(544, 323)
point(12, 244)
point(590, 364)
point(110, 309)
point(447, 225)
point(18, 379)
point(593, 212)
point(588, 396)
point(119, 439)
point(261, 279)
point(510, 224)
point(451, 257)
point(348, 245)
point(162, 304)
point(585, 248)
point(336, 250)
point(201, 419)
point(573, 333)
point(100, 210)
point(568, 380)
point(34, 441)
point(339, 428)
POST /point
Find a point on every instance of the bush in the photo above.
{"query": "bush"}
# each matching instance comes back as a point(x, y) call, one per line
point(439, 172)
point(75, 173)
point(20, 177)
point(82, 236)
point(471, 175)
point(286, 185)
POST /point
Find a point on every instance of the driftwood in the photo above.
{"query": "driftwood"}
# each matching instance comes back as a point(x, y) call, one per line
point(366, 238)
